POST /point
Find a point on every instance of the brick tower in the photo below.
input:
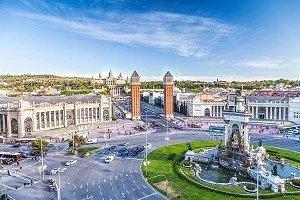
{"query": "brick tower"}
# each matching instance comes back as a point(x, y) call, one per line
point(168, 94)
point(135, 96)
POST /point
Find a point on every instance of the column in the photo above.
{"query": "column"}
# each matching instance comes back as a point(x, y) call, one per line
point(54, 118)
point(4, 123)
point(59, 118)
point(212, 111)
point(8, 125)
point(280, 113)
point(75, 113)
point(88, 115)
point(275, 112)
point(256, 112)
point(267, 112)
point(65, 116)
point(1, 123)
point(101, 114)
point(284, 113)
point(79, 120)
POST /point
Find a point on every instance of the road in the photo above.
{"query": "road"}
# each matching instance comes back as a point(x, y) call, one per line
point(91, 178)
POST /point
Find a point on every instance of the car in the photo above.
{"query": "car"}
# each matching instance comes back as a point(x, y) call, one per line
point(61, 170)
point(17, 145)
point(124, 144)
point(109, 159)
point(112, 147)
point(71, 162)
point(54, 171)
point(148, 145)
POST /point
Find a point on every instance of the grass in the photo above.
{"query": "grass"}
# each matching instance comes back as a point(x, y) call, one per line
point(291, 156)
point(161, 163)
point(86, 150)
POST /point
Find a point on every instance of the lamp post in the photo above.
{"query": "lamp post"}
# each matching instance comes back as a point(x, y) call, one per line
point(167, 137)
point(42, 158)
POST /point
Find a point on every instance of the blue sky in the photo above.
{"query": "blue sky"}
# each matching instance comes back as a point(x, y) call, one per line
point(196, 40)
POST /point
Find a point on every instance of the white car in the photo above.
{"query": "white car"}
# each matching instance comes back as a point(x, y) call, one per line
point(71, 162)
point(61, 170)
point(54, 171)
point(109, 159)
point(149, 145)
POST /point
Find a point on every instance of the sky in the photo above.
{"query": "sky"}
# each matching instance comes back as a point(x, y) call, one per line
point(195, 40)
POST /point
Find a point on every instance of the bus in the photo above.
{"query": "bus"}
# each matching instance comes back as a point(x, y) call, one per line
point(217, 128)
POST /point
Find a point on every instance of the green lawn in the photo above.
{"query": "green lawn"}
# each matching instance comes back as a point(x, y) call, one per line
point(86, 150)
point(161, 163)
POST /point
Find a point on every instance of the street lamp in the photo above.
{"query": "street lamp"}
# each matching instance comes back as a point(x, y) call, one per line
point(167, 137)
point(42, 158)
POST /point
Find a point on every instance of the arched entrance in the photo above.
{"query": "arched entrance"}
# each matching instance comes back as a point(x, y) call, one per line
point(207, 112)
point(28, 125)
point(105, 115)
point(14, 126)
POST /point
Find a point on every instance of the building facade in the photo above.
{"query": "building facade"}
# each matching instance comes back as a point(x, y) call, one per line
point(21, 116)
point(115, 85)
point(135, 96)
point(278, 106)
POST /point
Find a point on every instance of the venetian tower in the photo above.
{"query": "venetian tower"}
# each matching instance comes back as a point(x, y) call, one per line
point(168, 95)
point(135, 96)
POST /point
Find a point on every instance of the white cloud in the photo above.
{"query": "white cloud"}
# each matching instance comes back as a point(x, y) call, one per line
point(181, 34)
point(270, 64)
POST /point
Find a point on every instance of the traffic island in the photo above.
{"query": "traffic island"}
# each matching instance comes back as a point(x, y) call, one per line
point(167, 175)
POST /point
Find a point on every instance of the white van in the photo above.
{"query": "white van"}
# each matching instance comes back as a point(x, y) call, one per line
point(91, 141)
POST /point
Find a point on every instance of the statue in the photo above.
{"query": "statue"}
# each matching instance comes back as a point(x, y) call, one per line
point(275, 170)
point(190, 147)
point(260, 143)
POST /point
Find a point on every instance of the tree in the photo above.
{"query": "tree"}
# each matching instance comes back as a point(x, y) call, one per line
point(78, 141)
point(36, 145)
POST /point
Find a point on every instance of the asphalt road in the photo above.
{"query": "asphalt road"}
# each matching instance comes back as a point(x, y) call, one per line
point(91, 178)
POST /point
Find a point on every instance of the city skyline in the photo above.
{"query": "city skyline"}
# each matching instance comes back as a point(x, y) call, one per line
point(205, 40)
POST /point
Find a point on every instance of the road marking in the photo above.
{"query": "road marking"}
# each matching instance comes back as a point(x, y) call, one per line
point(123, 195)
point(112, 189)
point(143, 193)
point(123, 185)
point(121, 180)
point(133, 181)
point(138, 187)
point(111, 183)
point(80, 186)
point(93, 183)
point(144, 186)
point(132, 188)
point(99, 186)
point(87, 184)
point(73, 194)
point(116, 196)
point(100, 193)
point(133, 198)
point(147, 196)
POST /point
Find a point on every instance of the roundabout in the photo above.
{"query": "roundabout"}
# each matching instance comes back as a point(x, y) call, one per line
point(176, 180)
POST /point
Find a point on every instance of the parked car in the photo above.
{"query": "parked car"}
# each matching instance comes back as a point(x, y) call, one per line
point(124, 144)
point(112, 147)
point(61, 170)
point(148, 145)
point(16, 145)
point(54, 171)
point(71, 162)
point(109, 159)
